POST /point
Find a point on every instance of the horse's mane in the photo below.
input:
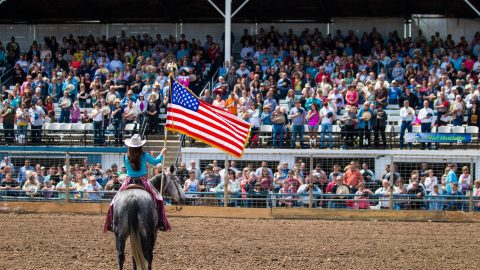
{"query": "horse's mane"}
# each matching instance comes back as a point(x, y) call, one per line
point(156, 180)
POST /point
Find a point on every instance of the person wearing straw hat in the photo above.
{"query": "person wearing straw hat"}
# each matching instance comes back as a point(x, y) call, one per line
point(64, 103)
point(136, 163)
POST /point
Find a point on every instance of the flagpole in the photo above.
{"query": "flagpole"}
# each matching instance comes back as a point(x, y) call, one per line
point(171, 71)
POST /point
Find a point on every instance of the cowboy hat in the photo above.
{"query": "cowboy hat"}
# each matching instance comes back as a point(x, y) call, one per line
point(155, 95)
point(69, 87)
point(135, 141)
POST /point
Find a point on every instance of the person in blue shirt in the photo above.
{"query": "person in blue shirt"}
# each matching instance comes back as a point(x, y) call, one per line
point(94, 189)
point(393, 93)
point(451, 177)
point(266, 115)
point(22, 173)
point(136, 163)
point(364, 125)
point(455, 199)
point(297, 115)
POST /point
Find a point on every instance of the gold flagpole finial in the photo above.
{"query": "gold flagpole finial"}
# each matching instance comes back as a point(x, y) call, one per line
point(172, 68)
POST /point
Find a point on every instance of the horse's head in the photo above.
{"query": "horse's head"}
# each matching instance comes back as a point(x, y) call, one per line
point(172, 188)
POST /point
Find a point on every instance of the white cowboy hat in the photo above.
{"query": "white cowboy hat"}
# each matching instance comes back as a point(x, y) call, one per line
point(135, 141)
point(155, 95)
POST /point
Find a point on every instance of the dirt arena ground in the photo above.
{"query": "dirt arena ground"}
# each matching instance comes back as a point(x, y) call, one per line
point(55, 241)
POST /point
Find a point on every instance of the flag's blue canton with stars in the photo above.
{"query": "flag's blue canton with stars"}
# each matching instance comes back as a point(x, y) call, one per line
point(182, 97)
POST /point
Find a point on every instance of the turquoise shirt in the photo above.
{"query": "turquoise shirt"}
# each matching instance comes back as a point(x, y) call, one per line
point(146, 158)
point(451, 178)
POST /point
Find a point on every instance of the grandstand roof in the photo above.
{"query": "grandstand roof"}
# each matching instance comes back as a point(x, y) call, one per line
point(61, 11)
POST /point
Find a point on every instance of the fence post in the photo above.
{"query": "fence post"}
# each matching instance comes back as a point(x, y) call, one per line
point(225, 186)
point(67, 173)
point(392, 173)
point(470, 200)
point(311, 186)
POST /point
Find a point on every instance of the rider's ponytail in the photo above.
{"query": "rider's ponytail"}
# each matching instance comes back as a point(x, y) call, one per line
point(134, 157)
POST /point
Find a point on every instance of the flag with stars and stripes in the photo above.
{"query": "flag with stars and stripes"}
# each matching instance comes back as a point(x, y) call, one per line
point(189, 115)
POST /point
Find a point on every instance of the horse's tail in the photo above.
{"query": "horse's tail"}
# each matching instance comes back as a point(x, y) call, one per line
point(135, 243)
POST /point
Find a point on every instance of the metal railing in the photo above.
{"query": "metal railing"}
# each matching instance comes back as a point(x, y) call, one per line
point(273, 200)
point(208, 85)
point(211, 83)
point(344, 140)
point(143, 127)
point(7, 72)
point(60, 137)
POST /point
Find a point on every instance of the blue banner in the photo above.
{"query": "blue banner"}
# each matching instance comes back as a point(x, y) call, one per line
point(438, 138)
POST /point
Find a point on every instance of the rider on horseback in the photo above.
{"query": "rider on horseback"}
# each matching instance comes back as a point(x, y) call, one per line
point(136, 163)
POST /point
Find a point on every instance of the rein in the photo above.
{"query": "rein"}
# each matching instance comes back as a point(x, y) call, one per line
point(170, 182)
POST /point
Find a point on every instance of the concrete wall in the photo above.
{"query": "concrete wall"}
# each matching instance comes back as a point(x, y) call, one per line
point(280, 213)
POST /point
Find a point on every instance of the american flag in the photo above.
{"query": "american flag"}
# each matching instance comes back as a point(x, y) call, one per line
point(214, 126)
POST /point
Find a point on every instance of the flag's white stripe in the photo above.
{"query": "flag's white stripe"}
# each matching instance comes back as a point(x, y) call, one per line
point(229, 115)
point(233, 127)
point(200, 134)
point(239, 129)
point(180, 117)
point(220, 124)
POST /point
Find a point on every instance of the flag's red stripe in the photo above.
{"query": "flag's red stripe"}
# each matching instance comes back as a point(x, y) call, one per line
point(225, 122)
point(212, 132)
point(208, 122)
point(199, 136)
point(230, 116)
point(224, 113)
point(214, 117)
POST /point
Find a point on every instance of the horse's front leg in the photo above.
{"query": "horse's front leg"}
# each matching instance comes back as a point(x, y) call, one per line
point(121, 251)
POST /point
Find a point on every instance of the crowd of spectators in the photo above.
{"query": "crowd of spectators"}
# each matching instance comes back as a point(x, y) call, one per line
point(353, 186)
point(84, 181)
point(110, 81)
point(286, 80)
point(292, 79)
point(349, 187)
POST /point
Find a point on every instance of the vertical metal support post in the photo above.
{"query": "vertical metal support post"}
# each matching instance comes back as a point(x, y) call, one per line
point(228, 29)
point(225, 179)
point(310, 190)
point(392, 172)
point(470, 200)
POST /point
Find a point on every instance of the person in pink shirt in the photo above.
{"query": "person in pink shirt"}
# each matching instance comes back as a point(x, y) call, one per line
point(352, 96)
point(313, 120)
point(183, 78)
point(75, 112)
point(218, 102)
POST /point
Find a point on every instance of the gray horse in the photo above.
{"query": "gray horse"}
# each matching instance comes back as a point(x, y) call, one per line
point(135, 215)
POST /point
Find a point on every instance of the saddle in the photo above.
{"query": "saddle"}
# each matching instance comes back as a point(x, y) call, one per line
point(135, 186)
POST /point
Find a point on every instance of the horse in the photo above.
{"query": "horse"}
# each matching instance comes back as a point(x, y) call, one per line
point(135, 215)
